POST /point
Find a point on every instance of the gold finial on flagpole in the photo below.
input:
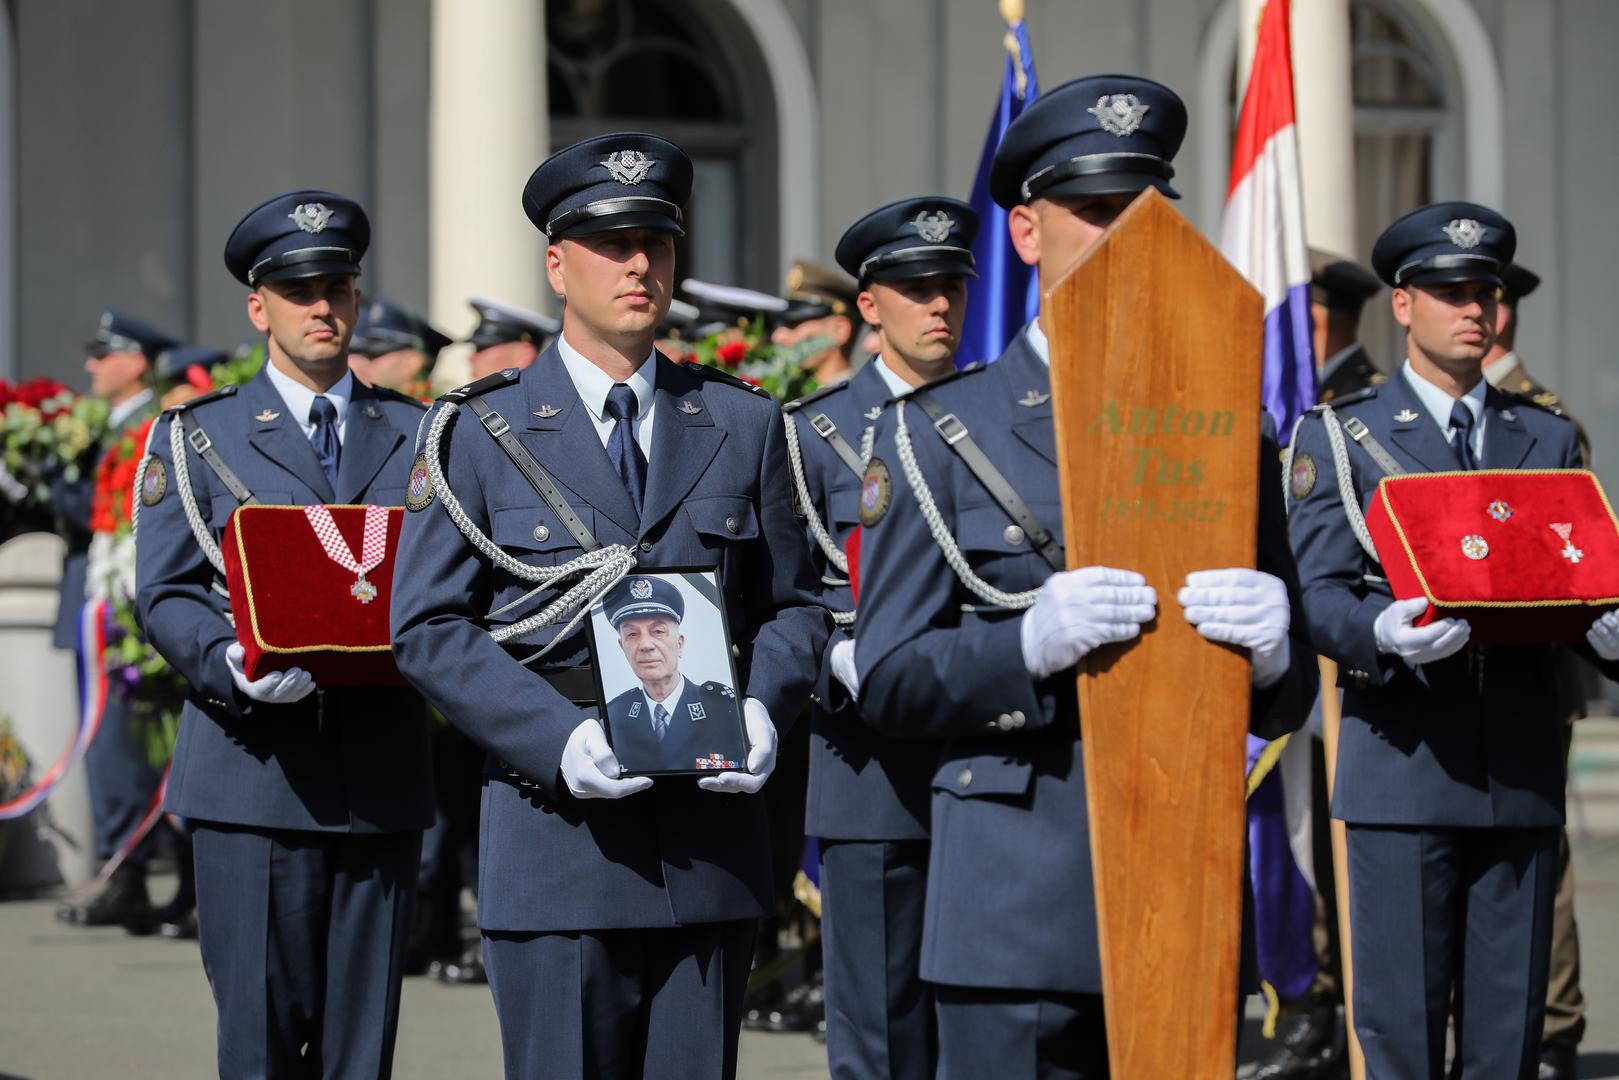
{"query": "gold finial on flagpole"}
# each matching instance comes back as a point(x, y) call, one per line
point(1012, 11)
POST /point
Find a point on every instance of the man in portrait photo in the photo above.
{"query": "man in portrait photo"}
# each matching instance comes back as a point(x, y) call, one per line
point(665, 722)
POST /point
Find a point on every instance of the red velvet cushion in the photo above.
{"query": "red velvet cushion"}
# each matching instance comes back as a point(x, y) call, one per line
point(293, 604)
point(1519, 585)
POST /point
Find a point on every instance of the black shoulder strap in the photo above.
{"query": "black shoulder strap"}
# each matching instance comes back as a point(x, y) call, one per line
point(955, 436)
point(537, 477)
point(204, 446)
point(1356, 429)
point(826, 429)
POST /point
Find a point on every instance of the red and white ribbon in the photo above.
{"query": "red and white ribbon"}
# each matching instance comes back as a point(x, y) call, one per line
point(373, 545)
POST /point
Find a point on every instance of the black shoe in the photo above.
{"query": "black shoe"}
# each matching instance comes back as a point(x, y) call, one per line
point(803, 1008)
point(121, 902)
point(181, 928)
point(1306, 1046)
point(1558, 1061)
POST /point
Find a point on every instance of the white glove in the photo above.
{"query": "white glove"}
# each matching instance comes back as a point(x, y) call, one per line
point(591, 769)
point(276, 688)
point(761, 754)
point(1418, 644)
point(1603, 636)
point(1079, 610)
point(1246, 608)
point(843, 667)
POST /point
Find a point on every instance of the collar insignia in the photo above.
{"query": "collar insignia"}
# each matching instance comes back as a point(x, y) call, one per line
point(372, 413)
point(1508, 415)
point(1405, 416)
point(689, 409)
point(1033, 399)
point(1119, 114)
point(1465, 233)
point(545, 412)
point(935, 227)
point(873, 413)
point(266, 416)
point(628, 166)
point(310, 217)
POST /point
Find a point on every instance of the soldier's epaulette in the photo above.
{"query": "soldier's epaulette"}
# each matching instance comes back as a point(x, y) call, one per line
point(1542, 399)
point(481, 386)
point(714, 374)
point(943, 380)
point(825, 391)
point(1363, 394)
point(719, 688)
point(203, 399)
point(391, 394)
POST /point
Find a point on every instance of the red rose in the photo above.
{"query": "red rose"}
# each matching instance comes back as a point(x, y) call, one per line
point(732, 353)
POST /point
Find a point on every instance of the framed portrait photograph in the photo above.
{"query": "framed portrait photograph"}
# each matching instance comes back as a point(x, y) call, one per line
point(666, 675)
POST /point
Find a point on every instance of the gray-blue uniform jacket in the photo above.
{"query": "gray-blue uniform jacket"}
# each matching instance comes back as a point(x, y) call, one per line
point(863, 785)
point(1010, 902)
point(341, 760)
point(1472, 740)
point(717, 495)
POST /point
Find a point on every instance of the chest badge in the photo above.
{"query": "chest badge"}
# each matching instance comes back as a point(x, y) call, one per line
point(419, 488)
point(690, 409)
point(545, 412)
point(876, 491)
point(155, 483)
point(1302, 479)
point(1033, 399)
point(1405, 416)
point(267, 415)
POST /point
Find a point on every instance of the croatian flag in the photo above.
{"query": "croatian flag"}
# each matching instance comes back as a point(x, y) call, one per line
point(1005, 295)
point(1263, 233)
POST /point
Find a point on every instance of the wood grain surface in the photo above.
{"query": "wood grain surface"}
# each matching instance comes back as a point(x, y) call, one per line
point(1155, 355)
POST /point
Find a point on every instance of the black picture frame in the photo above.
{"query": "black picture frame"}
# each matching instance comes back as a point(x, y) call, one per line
point(720, 743)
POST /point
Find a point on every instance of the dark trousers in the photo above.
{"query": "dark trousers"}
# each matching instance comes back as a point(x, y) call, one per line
point(621, 1004)
point(303, 936)
point(1020, 1034)
point(121, 779)
point(879, 1012)
point(1450, 922)
point(1565, 1003)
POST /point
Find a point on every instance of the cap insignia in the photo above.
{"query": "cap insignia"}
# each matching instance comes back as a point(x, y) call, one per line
point(1405, 416)
point(1465, 233)
point(641, 589)
point(689, 409)
point(628, 166)
point(267, 415)
point(1119, 114)
point(310, 217)
point(935, 227)
point(1033, 399)
point(545, 412)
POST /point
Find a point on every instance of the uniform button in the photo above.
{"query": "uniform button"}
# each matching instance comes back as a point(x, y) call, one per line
point(646, 545)
point(1013, 535)
point(542, 533)
point(731, 525)
point(1004, 722)
point(1017, 718)
point(965, 778)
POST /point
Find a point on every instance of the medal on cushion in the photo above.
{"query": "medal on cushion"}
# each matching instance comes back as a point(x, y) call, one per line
point(373, 545)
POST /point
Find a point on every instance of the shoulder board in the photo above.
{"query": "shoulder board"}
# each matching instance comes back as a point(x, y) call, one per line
point(212, 395)
point(714, 374)
point(825, 391)
point(482, 386)
point(1540, 398)
point(388, 393)
point(719, 688)
point(942, 380)
point(1364, 394)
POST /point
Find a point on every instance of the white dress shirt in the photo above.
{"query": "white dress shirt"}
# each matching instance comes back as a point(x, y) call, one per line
point(1438, 404)
point(300, 398)
point(127, 408)
point(1037, 338)
point(593, 383)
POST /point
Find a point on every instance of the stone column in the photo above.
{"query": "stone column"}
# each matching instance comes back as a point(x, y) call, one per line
point(1324, 106)
point(487, 130)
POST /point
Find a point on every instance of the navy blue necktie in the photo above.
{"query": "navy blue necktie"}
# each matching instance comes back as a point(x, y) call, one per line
point(1461, 437)
point(323, 414)
point(622, 448)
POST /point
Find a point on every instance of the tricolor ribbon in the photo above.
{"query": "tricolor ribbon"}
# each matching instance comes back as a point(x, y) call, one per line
point(148, 821)
point(373, 545)
point(92, 703)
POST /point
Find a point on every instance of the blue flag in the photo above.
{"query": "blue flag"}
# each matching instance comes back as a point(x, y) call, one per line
point(1005, 294)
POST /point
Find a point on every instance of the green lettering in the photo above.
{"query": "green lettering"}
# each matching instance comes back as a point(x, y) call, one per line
point(1169, 471)
point(1108, 420)
point(1143, 421)
point(1223, 423)
point(1168, 427)
point(1194, 472)
point(1143, 457)
point(1192, 423)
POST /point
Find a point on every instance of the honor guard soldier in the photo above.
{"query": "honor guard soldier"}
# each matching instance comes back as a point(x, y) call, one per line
point(507, 337)
point(868, 793)
point(307, 805)
point(393, 347)
point(1339, 290)
point(617, 913)
point(947, 648)
point(819, 327)
point(185, 372)
point(1450, 767)
point(122, 360)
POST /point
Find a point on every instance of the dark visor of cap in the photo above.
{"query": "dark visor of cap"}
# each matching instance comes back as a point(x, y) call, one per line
point(1096, 165)
point(919, 262)
point(305, 262)
point(649, 212)
point(1450, 268)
